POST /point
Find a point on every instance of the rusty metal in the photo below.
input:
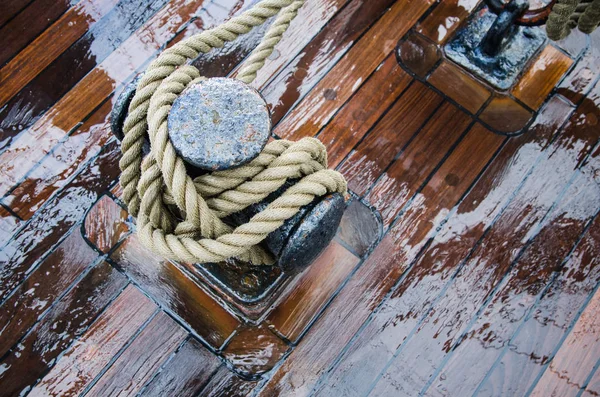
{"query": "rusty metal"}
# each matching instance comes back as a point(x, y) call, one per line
point(219, 123)
point(536, 17)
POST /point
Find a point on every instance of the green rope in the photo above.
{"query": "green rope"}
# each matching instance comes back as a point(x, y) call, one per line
point(569, 14)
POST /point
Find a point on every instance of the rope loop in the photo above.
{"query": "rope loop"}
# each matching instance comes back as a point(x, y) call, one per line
point(180, 218)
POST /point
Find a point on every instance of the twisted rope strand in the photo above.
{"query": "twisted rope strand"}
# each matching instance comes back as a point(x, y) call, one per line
point(181, 218)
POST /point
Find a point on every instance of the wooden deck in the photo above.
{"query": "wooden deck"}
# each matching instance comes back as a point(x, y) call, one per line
point(468, 262)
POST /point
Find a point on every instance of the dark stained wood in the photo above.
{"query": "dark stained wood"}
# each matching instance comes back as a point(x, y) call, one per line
point(392, 323)
point(541, 77)
point(227, 384)
point(105, 224)
point(10, 8)
point(307, 295)
point(78, 367)
point(363, 110)
point(402, 179)
point(519, 291)
point(186, 372)
point(445, 19)
point(49, 45)
point(59, 167)
point(324, 100)
point(41, 235)
point(42, 288)
point(371, 282)
point(29, 23)
point(418, 54)
point(254, 350)
point(505, 115)
point(306, 69)
point(391, 134)
point(448, 77)
point(64, 323)
point(175, 292)
point(474, 283)
point(484, 268)
point(141, 359)
point(543, 331)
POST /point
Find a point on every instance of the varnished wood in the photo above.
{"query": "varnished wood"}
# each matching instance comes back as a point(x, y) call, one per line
point(464, 268)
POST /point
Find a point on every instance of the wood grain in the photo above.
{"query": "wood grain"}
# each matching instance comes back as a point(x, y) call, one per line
point(324, 100)
point(374, 278)
point(175, 292)
point(409, 171)
point(106, 224)
point(485, 267)
point(363, 110)
point(78, 367)
point(445, 18)
point(541, 77)
point(186, 373)
point(389, 137)
point(42, 288)
point(50, 44)
point(65, 322)
point(128, 374)
point(306, 296)
point(393, 322)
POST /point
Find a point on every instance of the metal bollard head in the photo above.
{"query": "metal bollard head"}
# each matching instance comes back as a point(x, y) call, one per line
point(218, 124)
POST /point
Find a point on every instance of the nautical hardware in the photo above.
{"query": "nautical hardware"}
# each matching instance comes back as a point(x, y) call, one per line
point(495, 47)
point(247, 190)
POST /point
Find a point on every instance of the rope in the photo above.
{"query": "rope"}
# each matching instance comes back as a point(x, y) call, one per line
point(180, 218)
point(569, 14)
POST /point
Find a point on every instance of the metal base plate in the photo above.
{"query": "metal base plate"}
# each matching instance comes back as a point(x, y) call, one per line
point(502, 70)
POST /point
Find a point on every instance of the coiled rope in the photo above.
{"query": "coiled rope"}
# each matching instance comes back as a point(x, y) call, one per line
point(569, 14)
point(180, 218)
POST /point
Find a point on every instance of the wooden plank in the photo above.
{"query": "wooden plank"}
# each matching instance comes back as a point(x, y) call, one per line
point(460, 86)
point(175, 292)
point(485, 267)
point(134, 367)
point(363, 110)
point(505, 115)
point(50, 44)
point(59, 167)
point(35, 142)
point(360, 228)
point(544, 330)
point(39, 237)
point(106, 224)
point(582, 77)
point(389, 137)
point(307, 32)
point(227, 384)
point(254, 350)
point(367, 287)
point(399, 182)
point(65, 323)
point(593, 387)
point(302, 301)
point(28, 24)
point(320, 55)
point(185, 374)
point(320, 105)
point(42, 288)
point(10, 8)
point(393, 322)
point(78, 367)
point(577, 357)
point(541, 77)
point(9, 224)
point(519, 292)
point(445, 18)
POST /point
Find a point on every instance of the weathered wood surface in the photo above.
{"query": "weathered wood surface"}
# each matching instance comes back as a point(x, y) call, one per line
point(469, 267)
